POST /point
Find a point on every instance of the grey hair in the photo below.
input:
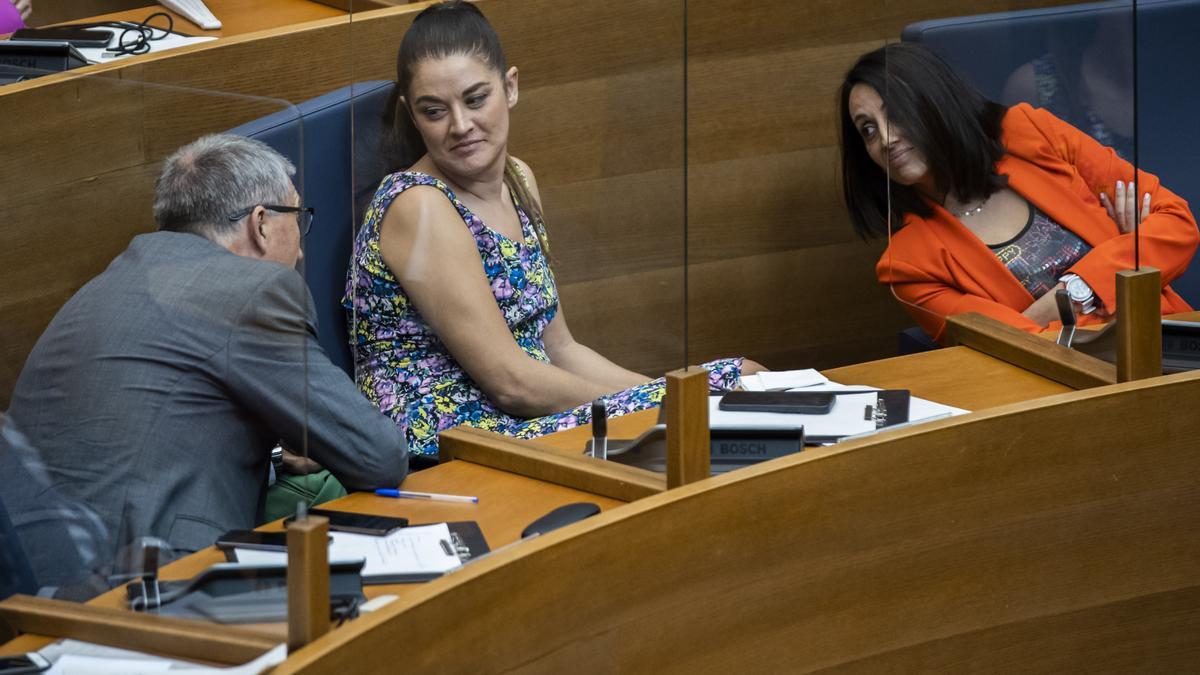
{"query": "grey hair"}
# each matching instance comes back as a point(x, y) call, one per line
point(215, 176)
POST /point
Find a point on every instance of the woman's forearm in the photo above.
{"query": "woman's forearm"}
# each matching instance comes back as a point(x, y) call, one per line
point(584, 362)
point(541, 388)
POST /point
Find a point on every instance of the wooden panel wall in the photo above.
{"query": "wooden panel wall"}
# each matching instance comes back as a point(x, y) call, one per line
point(776, 273)
point(47, 12)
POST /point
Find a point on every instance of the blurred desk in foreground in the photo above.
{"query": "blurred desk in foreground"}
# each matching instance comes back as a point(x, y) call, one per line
point(236, 16)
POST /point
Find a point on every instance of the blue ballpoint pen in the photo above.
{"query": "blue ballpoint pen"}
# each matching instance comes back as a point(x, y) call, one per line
point(431, 496)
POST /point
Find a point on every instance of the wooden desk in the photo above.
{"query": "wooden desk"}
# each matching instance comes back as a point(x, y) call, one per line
point(956, 376)
point(952, 540)
point(237, 16)
point(507, 504)
point(1051, 535)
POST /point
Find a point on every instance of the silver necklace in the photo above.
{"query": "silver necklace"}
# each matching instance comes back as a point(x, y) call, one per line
point(971, 212)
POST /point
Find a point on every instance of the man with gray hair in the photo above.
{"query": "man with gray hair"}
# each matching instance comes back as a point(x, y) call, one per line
point(157, 392)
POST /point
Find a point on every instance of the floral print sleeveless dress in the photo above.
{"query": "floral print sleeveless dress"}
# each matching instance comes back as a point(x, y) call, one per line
point(402, 366)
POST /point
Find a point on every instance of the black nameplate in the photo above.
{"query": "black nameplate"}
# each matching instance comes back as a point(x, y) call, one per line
point(1181, 345)
point(34, 58)
point(746, 446)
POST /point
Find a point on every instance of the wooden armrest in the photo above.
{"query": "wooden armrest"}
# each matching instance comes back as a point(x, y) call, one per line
point(527, 458)
point(1029, 351)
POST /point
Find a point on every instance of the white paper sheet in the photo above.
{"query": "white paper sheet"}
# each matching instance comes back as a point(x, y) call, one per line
point(409, 550)
point(751, 383)
point(781, 380)
point(73, 657)
point(846, 418)
point(919, 409)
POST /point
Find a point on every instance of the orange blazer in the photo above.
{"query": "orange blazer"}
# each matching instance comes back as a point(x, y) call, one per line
point(937, 267)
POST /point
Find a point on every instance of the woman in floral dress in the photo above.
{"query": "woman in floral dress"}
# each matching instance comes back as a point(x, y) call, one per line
point(453, 308)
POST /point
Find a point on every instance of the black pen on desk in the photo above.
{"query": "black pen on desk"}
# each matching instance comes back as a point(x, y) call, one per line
point(599, 429)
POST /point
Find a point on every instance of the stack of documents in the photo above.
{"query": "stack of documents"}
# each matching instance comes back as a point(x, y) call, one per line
point(846, 419)
point(73, 657)
point(406, 555)
point(783, 380)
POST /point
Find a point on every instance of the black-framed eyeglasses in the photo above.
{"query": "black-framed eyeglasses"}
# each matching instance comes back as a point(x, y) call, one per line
point(304, 215)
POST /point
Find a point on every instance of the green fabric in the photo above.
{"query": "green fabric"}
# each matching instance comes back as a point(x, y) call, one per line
point(288, 490)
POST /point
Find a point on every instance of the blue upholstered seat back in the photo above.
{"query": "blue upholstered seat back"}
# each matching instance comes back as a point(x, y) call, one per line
point(987, 48)
point(333, 140)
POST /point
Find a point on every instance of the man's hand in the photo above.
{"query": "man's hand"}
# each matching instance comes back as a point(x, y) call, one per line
point(24, 7)
point(299, 466)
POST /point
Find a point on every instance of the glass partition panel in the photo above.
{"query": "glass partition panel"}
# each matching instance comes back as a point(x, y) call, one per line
point(1004, 157)
point(156, 345)
point(777, 273)
point(1167, 140)
point(577, 119)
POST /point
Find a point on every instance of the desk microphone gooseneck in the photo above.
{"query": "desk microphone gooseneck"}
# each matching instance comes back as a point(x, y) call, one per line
point(599, 429)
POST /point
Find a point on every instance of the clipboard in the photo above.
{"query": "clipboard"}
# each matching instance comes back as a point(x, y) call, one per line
point(857, 411)
point(466, 542)
point(758, 437)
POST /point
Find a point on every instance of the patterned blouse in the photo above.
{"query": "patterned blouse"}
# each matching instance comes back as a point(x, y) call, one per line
point(404, 368)
point(1041, 252)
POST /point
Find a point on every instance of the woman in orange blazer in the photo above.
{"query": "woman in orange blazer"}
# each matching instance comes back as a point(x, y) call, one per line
point(992, 209)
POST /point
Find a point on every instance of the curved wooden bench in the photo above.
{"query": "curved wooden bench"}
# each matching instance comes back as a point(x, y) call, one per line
point(1043, 536)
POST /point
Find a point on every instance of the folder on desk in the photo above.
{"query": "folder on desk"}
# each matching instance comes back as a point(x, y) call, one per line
point(408, 555)
point(742, 438)
point(855, 411)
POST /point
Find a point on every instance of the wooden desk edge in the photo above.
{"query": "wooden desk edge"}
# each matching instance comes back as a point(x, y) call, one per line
point(96, 69)
point(528, 458)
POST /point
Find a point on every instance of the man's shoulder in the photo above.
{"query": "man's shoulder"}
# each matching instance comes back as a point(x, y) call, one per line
point(203, 267)
point(192, 284)
point(190, 249)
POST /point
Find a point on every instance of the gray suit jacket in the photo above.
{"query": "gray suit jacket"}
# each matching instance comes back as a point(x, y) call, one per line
point(158, 390)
